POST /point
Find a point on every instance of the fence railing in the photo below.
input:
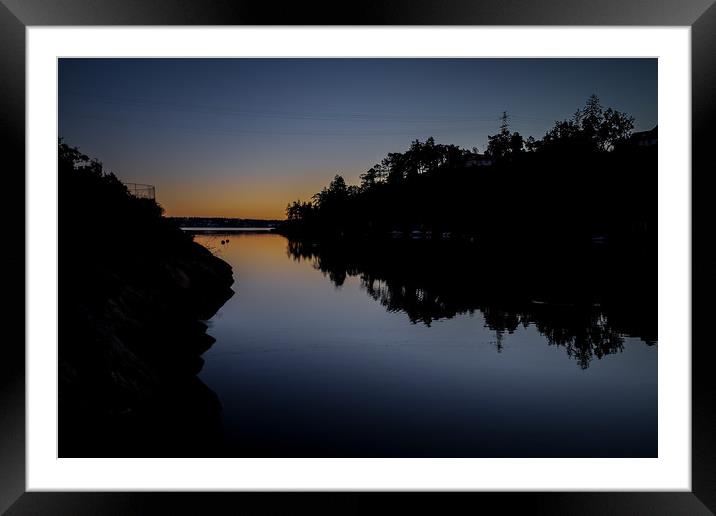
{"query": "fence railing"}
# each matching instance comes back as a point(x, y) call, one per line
point(140, 190)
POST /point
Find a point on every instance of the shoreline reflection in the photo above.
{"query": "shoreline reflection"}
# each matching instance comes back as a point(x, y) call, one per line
point(585, 302)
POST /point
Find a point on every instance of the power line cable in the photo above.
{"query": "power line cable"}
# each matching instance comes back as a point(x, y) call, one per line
point(387, 117)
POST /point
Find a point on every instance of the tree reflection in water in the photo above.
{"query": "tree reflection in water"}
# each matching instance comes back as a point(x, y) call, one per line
point(585, 300)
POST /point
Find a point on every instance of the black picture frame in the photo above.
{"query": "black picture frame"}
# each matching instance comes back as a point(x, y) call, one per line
point(16, 15)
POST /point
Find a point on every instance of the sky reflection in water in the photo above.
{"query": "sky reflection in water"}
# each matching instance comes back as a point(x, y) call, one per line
point(305, 368)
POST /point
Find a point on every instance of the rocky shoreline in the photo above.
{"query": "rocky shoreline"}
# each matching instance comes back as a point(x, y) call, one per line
point(134, 294)
point(137, 389)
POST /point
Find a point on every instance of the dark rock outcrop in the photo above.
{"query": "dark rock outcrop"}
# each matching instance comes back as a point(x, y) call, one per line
point(134, 291)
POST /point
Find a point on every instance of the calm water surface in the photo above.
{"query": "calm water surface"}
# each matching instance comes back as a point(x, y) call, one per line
point(306, 364)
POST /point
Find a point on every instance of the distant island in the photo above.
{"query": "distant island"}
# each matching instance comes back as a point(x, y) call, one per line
point(223, 222)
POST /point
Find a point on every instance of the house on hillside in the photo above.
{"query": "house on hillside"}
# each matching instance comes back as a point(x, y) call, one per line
point(477, 160)
point(645, 138)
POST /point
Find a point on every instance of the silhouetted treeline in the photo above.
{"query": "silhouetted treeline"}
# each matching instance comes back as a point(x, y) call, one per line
point(133, 289)
point(584, 179)
point(585, 300)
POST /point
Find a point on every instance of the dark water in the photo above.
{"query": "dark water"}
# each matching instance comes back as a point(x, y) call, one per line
point(376, 354)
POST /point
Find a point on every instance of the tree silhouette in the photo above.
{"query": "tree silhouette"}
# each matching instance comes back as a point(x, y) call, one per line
point(592, 127)
point(581, 180)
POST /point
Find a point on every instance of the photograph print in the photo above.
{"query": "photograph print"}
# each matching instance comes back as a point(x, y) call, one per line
point(313, 257)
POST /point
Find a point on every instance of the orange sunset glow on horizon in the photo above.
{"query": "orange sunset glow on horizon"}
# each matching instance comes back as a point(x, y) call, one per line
point(245, 137)
point(239, 198)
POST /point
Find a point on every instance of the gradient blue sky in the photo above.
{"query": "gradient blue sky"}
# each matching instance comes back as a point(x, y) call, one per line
point(243, 137)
